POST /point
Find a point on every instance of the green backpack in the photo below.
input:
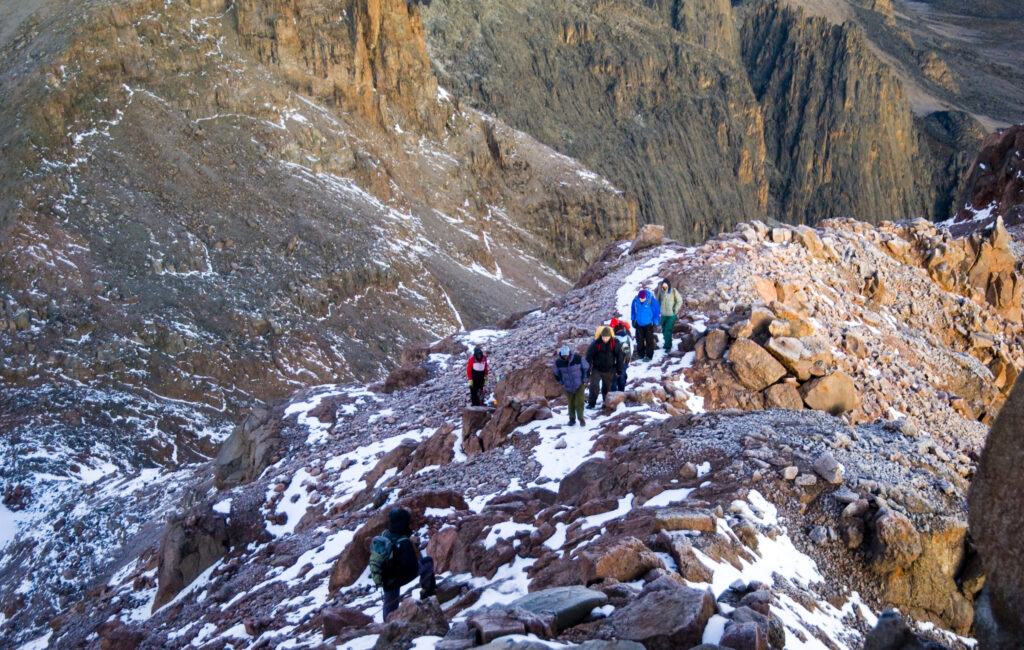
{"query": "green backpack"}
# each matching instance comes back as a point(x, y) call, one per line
point(382, 549)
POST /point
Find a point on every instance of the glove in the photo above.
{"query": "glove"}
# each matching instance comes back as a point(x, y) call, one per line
point(470, 382)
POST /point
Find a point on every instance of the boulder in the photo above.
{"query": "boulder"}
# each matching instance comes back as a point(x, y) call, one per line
point(438, 449)
point(336, 619)
point(511, 413)
point(593, 479)
point(805, 358)
point(754, 367)
point(896, 543)
point(783, 395)
point(891, 633)
point(755, 325)
point(503, 620)
point(474, 418)
point(404, 377)
point(115, 635)
point(570, 605)
point(613, 399)
point(625, 559)
point(192, 542)
point(249, 449)
point(835, 393)
point(649, 236)
point(744, 636)
point(665, 619)
point(681, 550)
point(685, 519)
point(413, 618)
point(996, 507)
point(715, 344)
point(829, 468)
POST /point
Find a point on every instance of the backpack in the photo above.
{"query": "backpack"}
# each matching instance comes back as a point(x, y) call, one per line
point(382, 550)
point(627, 347)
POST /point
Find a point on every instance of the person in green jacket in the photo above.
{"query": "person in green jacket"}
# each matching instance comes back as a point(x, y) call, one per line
point(671, 302)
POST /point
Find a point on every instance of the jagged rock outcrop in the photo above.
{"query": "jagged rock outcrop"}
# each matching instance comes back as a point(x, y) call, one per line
point(192, 543)
point(995, 182)
point(996, 515)
point(367, 55)
point(250, 448)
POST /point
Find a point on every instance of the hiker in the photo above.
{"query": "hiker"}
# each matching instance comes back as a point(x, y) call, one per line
point(644, 313)
point(476, 373)
point(605, 359)
point(625, 342)
point(395, 560)
point(572, 372)
point(671, 302)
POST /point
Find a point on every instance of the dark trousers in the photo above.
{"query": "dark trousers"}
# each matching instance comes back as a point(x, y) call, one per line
point(576, 405)
point(645, 341)
point(392, 597)
point(602, 380)
point(476, 388)
point(619, 383)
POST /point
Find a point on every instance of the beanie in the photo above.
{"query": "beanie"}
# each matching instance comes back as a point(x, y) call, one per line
point(643, 294)
point(564, 351)
point(398, 522)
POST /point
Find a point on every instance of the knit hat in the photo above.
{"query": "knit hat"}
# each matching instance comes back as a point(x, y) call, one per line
point(643, 294)
point(665, 282)
point(607, 331)
point(398, 521)
point(564, 351)
point(477, 352)
point(614, 323)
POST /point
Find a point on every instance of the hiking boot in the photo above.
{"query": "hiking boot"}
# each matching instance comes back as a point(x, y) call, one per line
point(583, 422)
point(572, 423)
point(425, 593)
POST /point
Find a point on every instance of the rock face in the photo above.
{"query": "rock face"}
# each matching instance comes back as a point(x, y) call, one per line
point(996, 517)
point(995, 183)
point(191, 544)
point(667, 618)
point(249, 448)
point(368, 55)
point(784, 83)
point(754, 367)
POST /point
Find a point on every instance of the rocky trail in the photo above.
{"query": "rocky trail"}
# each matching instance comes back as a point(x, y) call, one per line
point(797, 465)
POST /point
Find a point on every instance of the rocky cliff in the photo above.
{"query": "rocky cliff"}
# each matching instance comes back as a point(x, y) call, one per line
point(739, 492)
point(709, 111)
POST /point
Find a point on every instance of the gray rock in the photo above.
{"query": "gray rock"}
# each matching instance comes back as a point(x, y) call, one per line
point(570, 605)
point(829, 468)
point(666, 619)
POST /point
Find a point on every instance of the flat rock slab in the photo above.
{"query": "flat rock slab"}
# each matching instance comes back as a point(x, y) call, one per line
point(685, 519)
point(570, 605)
point(666, 619)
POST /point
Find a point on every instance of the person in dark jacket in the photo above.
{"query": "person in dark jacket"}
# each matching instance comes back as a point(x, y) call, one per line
point(476, 373)
point(605, 359)
point(571, 371)
point(645, 313)
point(406, 563)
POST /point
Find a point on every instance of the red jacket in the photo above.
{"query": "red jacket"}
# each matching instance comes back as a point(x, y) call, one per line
point(469, 366)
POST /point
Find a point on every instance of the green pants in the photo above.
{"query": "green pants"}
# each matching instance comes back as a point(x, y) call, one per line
point(667, 323)
point(576, 401)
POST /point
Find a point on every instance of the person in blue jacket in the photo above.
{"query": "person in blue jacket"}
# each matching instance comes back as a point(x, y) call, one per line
point(645, 314)
point(572, 371)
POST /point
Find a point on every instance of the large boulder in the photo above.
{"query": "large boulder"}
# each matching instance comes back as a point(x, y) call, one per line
point(474, 418)
point(192, 542)
point(896, 544)
point(413, 618)
point(754, 366)
point(569, 605)
point(891, 633)
point(835, 393)
point(649, 236)
point(250, 448)
point(783, 395)
point(666, 618)
point(624, 559)
point(996, 507)
point(805, 358)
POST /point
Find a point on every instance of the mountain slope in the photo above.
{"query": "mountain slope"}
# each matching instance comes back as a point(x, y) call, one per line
point(271, 558)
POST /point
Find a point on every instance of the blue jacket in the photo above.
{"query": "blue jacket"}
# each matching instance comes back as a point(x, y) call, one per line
point(572, 372)
point(645, 313)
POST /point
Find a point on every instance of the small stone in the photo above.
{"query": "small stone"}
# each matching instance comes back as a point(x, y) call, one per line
point(790, 472)
point(806, 480)
point(829, 468)
point(819, 535)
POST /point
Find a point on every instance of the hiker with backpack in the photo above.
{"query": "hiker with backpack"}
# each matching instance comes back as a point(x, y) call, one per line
point(605, 359)
point(395, 561)
point(625, 342)
point(644, 313)
point(671, 302)
point(476, 373)
point(572, 371)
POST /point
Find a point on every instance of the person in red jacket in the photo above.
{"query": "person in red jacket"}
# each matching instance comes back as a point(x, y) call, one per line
point(476, 373)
